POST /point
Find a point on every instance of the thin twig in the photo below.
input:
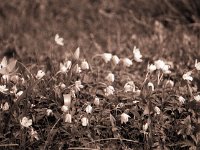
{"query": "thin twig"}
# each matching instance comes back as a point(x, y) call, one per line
point(8, 145)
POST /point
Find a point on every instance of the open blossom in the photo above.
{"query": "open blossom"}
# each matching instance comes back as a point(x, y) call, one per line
point(106, 57)
point(197, 98)
point(157, 110)
point(59, 40)
point(151, 68)
point(129, 86)
point(137, 54)
point(66, 66)
point(181, 100)
point(5, 106)
point(25, 122)
point(150, 84)
point(109, 90)
point(67, 99)
point(49, 112)
point(124, 118)
point(127, 62)
point(88, 109)
point(159, 64)
point(40, 74)
point(64, 108)
point(110, 77)
point(197, 65)
point(187, 76)
point(68, 118)
point(84, 65)
point(84, 121)
point(115, 59)
point(3, 88)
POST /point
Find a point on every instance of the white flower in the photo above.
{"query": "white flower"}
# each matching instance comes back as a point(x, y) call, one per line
point(40, 74)
point(34, 134)
point(59, 40)
point(197, 98)
point(181, 100)
point(78, 85)
point(135, 102)
point(197, 65)
point(18, 94)
point(25, 122)
point(115, 59)
point(150, 84)
point(96, 101)
point(107, 57)
point(66, 66)
point(145, 127)
point(88, 109)
point(14, 78)
point(187, 76)
point(110, 77)
point(77, 54)
point(127, 62)
point(137, 54)
point(3, 88)
point(65, 108)
point(77, 69)
point(124, 118)
point(129, 86)
point(151, 68)
point(49, 112)
point(5, 106)
point(157, 110)
point(84, 121)
point(6, 77)
point(67, 99)
point(84, 65)
point(165, 69)
point(62, 85)
point(159, 64)
point(109, 90)
point(137, 92)
point(68, 118)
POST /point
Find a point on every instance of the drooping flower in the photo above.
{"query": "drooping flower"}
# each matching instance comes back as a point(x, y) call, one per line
point(197, 65)
point(159, 64)
point(181, 99)
point(84, 65)
point(110, 77)
point(96, 101)
point(67, 99)
point(25, 122)
point(109, 90)
point(78, 85)
point(115, 60)
point(157, 110)
point(197, 98)
point(150, 84)
point(5, 106)
point(187, 76)
point(84, 121)
point(151, 68)
point(124, 118)
point(68, 118)
point(106, 57)
point(3, 88)
point(129, 87)
point(77, 69)
point(137, 54)
point(66, 66)
point(88, 109)
point(49, 112)
point(65, 108)
point(40, 74)
point(59, 40)
point(127, 62)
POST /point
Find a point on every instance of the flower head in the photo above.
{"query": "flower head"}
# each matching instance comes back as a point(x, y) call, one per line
point(115, 59)
point(77, 54)
point(5, 106)
point(110, 77)
point(129, 86)
point(187, 76)
point(124, 118)
point(181, 99)
point(150, 84)
point(40, 74)
point(84, 65)
point(84, 121)
point(49, 112)
point(3, 88)
point(67, 99)
point(157, 110)
point(159, 64)
point(137, 54)
point(68, 118)
point(197, 98)
point(25, 122)
point(34, 134)
point(59, 40)
point(197, 65)
point(127, 62)
point(78, 85)
point(96, 101)
point(88, 109)
point(106, 57)
point(65, 67)
point(65, 108)
point(109, 90)
point(151, 68)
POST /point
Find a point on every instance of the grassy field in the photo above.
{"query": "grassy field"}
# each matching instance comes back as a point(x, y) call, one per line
point(63, 87)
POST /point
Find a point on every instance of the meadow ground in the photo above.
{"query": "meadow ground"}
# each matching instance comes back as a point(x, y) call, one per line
point(63, 87)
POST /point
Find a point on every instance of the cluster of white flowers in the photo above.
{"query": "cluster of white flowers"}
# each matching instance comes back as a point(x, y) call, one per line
point(137, 54)
point(109, 90)
point(161, 65)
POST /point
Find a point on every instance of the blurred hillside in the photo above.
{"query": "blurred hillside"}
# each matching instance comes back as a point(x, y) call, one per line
point(94, 25)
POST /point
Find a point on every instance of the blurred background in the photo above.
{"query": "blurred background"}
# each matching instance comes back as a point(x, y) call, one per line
point(166, 27)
